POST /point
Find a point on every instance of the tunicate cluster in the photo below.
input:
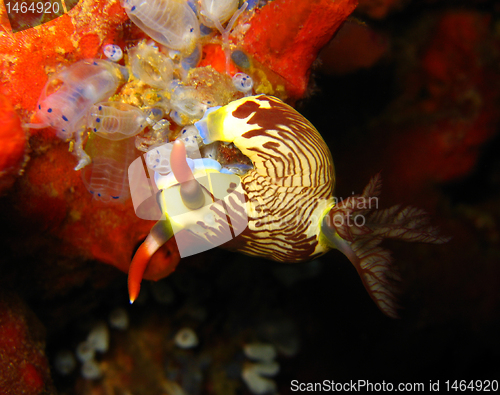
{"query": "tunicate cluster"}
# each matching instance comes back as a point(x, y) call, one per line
point(97, 341)
point(70, 93)
point(158, 159)
point(150, 94)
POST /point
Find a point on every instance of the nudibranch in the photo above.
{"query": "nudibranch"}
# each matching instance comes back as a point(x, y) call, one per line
point(285, 200)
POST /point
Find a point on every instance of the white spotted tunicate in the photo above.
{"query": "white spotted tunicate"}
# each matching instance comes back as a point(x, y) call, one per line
point(113, 52)
point(115, 120)
point(85, 351)
point(91, 370)
point(158, 159)
point(118, 319)
point(186, 338)
point(170, 22)
point(98, 337)
point(243, 82)
point(260, 351)
point(191, 139)
point(64, 362)
point(107, 176)
point(69, 94)
point(151, 66)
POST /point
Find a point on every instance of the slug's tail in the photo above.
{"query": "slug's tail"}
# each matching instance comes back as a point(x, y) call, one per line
point(356, 227)
point(159, 235)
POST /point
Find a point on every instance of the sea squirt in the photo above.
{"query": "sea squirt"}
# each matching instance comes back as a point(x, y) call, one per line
point(69, 94)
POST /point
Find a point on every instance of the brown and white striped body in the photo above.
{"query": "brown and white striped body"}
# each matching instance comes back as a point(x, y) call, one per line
point(290, 188)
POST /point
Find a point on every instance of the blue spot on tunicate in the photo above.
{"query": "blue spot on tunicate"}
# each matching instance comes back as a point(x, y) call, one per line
point(205, 30)
point(100, 108)
point(115, 197)
point(157, 160)
point(64, 117)
point(158, 152)
point(99, 194)
point(133, 8)
point(191, 30)
point(95, 130)
point(64, 130)
point(92, 192)
point(39, 107)
point(95, 63)
point(193, 6)
point(240, 59)
point(49, 110)
point(98, 119)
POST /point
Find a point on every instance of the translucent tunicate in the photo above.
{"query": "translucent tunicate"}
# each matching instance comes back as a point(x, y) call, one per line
point(69, 94)
point(98, 337)
point(186, 338)
point(191, 139)
point(157, 135)
point(64, 362)
point(115, 120)
point(158, 159)
point(84, 351)
point(151, 66)
point(118, 319)
point(170, 22)
point(186, 102)
point(154, 115)
point(255, 382)
point(113, 52)
point(260, 351)
point(192, 60)
point(243, 82)
point(106, 178)
point(217, 10)
point(91, 370)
